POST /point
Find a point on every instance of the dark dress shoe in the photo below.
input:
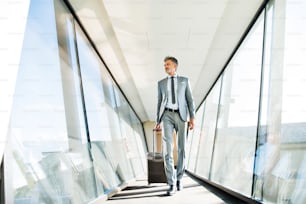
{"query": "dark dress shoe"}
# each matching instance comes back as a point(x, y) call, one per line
point(179, 185)
point(171, 190)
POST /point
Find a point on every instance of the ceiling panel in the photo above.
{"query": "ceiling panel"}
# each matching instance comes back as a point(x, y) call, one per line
point(134, 36)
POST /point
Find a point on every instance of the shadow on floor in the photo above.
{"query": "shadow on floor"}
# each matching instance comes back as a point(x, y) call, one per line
point(144, 191)
point(140, 193)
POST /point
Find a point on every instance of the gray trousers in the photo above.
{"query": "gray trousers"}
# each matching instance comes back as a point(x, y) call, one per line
point(172, 121)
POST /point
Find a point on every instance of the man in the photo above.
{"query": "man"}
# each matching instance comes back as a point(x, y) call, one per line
point(174, 103)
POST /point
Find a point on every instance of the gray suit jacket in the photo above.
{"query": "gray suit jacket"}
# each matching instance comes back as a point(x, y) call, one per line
point(185, 99)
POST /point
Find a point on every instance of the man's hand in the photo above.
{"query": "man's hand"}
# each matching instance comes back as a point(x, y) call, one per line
point(157, 127)
point(191, 124)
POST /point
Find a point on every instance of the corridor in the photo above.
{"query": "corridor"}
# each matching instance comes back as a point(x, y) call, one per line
point(79, 96)
point(194, 191)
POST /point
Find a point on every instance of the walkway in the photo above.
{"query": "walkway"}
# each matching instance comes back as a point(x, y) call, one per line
point(140, 192)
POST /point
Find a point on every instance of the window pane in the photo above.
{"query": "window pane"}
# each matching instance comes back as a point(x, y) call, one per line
point(47, 160)
point(97, 109)
point(132, 152)
point(208, 132)
point(109, 121)
point(103, 124)
point(233, 157)
point(193, 140)
point(281, 162)
point(140, 142)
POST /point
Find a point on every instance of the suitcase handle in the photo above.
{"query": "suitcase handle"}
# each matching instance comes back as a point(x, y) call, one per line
point(154, 130)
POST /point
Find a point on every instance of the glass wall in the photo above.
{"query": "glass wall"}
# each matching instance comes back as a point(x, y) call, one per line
point(193, 140)
point(209, 122)
point(238, 115)
point(47, 159)
point(281, 162)
point(258, 146)
point(72, 137)
point(129, 136)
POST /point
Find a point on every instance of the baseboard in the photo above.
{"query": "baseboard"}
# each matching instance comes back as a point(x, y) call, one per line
point(223, 189)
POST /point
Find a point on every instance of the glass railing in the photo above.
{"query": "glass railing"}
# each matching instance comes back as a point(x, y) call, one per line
point(253, 140)
point(72, 137)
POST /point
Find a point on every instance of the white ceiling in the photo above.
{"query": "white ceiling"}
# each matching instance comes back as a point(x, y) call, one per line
point(134, 36)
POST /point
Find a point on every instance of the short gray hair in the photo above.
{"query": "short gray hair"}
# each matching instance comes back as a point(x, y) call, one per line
point(173, 59)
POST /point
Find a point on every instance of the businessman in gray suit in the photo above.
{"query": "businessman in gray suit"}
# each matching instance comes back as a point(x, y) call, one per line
point(174, 105)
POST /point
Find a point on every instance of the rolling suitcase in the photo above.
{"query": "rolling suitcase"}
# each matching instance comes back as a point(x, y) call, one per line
point(156, 170)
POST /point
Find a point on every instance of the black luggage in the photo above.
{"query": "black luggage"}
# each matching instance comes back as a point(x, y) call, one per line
point(156, 170)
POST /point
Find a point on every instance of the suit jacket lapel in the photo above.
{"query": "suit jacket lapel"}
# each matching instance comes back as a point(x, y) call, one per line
point(179, 82)
point(165, 84)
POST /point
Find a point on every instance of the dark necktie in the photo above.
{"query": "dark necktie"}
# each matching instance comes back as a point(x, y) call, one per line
point(172, 90)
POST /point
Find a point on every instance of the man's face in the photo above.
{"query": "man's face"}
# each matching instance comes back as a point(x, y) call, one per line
point(170, 67)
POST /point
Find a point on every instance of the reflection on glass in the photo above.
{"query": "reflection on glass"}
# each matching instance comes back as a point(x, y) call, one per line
point(65, 98)
point(280, 165)
point(97, 109)
point(129, 139)
point(140, 143)
point(233, 155)
point(110, 127)
point(208, 132)
point(193, 140)
point(47, 160)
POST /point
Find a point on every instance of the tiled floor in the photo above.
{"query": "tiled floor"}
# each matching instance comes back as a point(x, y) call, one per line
point(141, 193)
